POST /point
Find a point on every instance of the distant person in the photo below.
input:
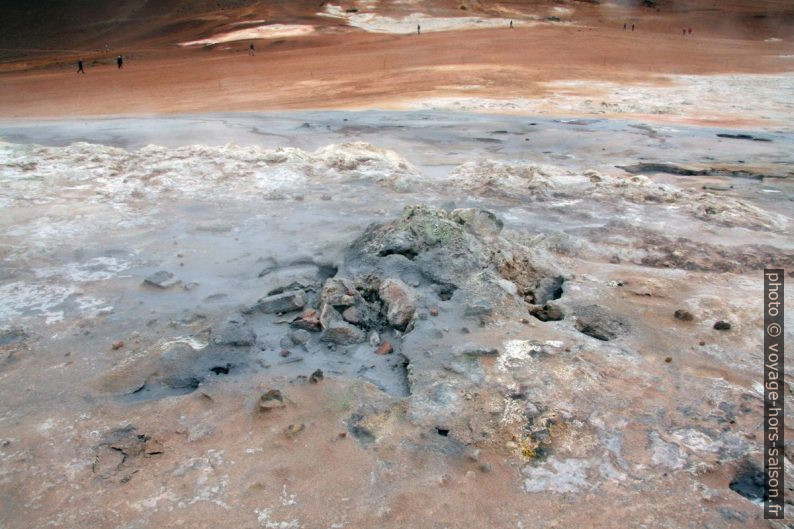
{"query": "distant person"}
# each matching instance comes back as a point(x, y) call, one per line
point(625, 26)
point(80, 66)
point(511, 24)
point(120, 62)
point(684, 31)
point(690, 31)
point(251, 49)
point(418, 29)
point(632, 27)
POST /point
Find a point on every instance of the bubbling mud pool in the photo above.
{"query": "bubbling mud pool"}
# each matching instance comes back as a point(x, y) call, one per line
point(519, 276)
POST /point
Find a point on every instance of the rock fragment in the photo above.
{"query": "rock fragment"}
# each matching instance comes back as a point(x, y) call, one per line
point(309, 320)
point(384, 349)
point(399, 302)
point(162, 279)
point(281, 303)
point(270, 400)
point(722, 326)
point(338, 331)
point(316, 377)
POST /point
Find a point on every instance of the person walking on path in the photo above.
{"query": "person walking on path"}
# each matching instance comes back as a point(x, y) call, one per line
point(80, 66)
point(418, 29)
point(251, 49)
point(632, 27)
point(511, 24)
point(120, 62)
point(625, 26)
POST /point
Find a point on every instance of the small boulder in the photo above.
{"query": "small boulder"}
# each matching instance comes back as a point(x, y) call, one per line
point(683, 315)
point(722, 326)
point(339, 292)
point(351, 315)
point(399, 302)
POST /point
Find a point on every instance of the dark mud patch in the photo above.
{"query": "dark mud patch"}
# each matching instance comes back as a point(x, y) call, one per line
point(12, 336)
point(748, 137)
point(680, 170)
point(666, 168)
point(749, 483)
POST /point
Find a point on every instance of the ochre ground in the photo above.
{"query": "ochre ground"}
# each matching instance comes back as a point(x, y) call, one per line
point(343, 67)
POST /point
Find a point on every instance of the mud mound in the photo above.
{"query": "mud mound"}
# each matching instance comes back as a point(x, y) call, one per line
point(198, 171)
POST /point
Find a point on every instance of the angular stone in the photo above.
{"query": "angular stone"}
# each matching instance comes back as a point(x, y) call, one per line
point(339, 292)
point(342, 333)
point(284, 302)
point(399, 302)
point(309, 320)
point(351, 315)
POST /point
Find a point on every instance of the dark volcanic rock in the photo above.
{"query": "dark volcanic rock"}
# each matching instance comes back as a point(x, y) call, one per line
point(722, 326)
point(284, 302)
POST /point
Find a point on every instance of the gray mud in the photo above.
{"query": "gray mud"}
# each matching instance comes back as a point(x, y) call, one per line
point(495, 282)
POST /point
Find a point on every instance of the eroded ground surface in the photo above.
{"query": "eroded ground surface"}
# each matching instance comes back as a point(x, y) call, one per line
point(385, 319)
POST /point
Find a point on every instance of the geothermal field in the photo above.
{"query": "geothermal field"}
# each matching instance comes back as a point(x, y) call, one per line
point(410, 264)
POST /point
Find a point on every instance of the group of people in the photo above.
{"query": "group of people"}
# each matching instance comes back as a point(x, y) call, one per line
point(81, 69)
